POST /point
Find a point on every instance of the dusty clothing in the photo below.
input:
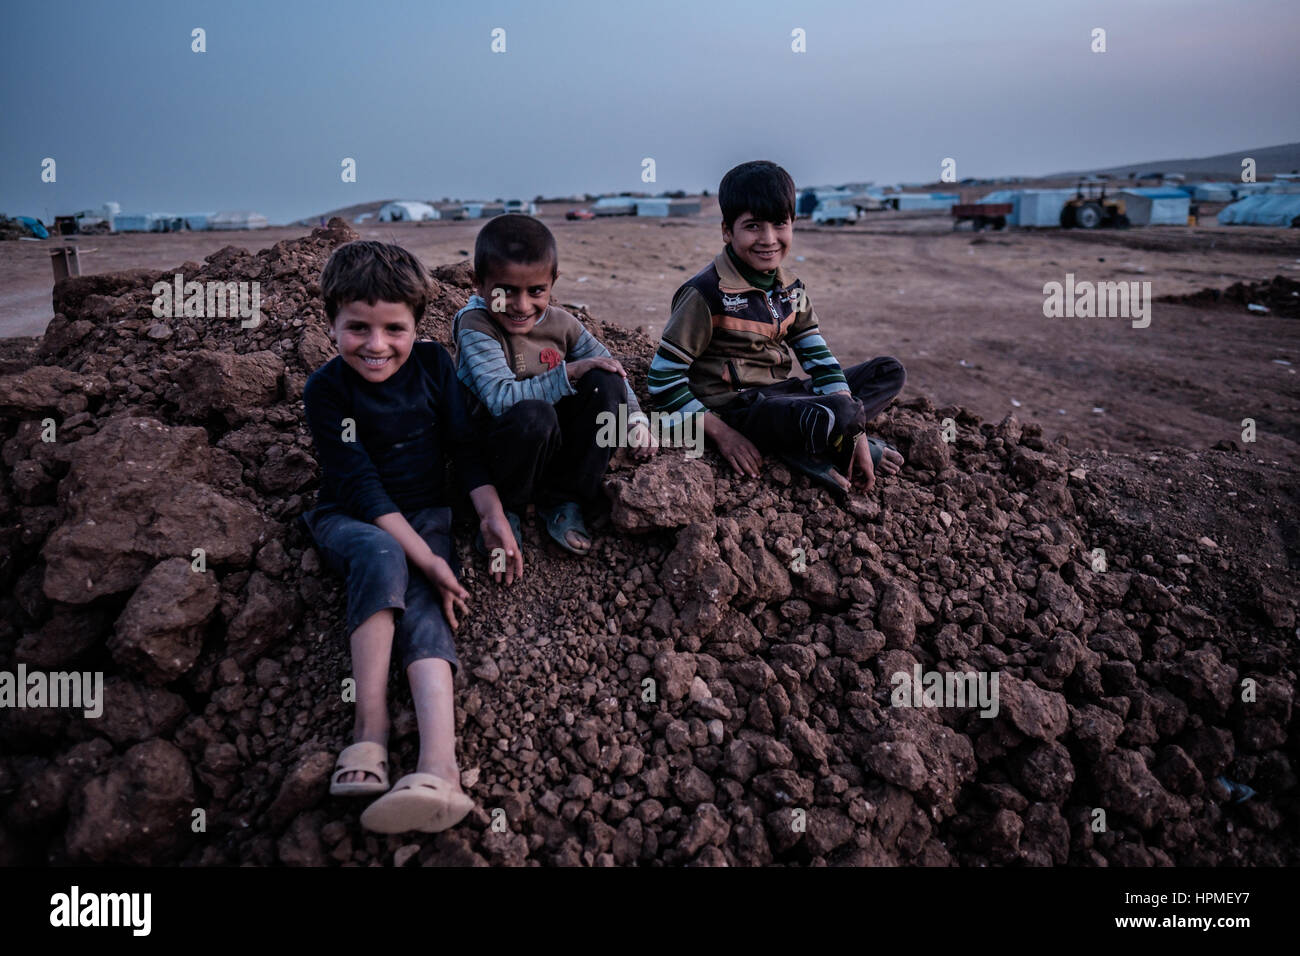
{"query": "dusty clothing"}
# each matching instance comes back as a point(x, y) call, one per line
point(382, 446)
point(726, 335)
point(500, 369)
point(380, 576)
point(789, 417)
point(547, 454)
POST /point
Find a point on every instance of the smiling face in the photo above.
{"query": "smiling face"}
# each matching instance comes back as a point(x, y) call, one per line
point(761, 245)
point(517, 294)
point(375, 340)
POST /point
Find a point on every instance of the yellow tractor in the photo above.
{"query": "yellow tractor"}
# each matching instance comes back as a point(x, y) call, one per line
point(1090, 209)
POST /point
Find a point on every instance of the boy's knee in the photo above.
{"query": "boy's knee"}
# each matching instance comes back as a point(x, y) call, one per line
point(602, 384)
point(382, 561)
point(850, 414)
point(892, 368)
point(532, 420)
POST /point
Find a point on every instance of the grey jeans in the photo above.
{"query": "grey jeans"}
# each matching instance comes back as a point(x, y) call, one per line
point(379, 576)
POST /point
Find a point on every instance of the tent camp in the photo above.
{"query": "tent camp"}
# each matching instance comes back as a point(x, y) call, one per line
point(1265, 210)
point(238, 219)
point(407, 211)
point(1156, 206)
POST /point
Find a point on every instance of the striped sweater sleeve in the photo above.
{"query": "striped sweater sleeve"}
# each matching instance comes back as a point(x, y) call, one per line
point(588, 346)
point(483, 369)
point(815, 356)
point(686, 336)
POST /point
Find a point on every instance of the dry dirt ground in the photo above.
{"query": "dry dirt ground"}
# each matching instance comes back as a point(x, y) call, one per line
point(963, 312)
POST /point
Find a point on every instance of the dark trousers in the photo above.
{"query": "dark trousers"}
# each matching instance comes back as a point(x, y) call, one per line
point(789, 418)
point(543, 453)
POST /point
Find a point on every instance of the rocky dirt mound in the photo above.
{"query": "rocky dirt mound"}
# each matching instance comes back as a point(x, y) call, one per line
point(1280, 295)
point(714, 685)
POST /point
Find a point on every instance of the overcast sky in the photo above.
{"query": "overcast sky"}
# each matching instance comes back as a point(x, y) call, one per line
point(587, 89)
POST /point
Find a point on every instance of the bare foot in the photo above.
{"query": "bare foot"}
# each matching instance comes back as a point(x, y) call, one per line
point(448, 772)
point(891, 463)
point(365, 776)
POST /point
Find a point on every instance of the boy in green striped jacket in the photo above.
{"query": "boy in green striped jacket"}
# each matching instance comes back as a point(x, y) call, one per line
point(725, 352)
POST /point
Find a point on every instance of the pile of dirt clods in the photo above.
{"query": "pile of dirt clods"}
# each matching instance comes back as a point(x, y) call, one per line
point(713, 685)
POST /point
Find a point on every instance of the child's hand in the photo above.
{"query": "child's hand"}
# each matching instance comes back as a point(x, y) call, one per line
point(581, 367)
point(739, 451)
point(497, 534)
point(451, 591)
point(643, 440)
point(861, 463)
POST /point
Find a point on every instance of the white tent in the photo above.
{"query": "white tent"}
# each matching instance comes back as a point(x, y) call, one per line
point(240, 219)
point(615, 206)
point(1157, 206)
point(1266, 210)
point(914, 201)
point(1042, 207)
point(1212, 192)
point(483, 210)
point(403, 210)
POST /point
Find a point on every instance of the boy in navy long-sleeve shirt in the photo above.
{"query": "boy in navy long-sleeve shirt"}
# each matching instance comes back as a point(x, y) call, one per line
point(385, 415)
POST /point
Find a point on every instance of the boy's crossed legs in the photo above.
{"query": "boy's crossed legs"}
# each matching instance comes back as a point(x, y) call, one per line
point(790, 418)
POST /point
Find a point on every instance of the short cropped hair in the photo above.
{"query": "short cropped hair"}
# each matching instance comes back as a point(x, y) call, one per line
point(514, 238)
point(369, 271)
point(762, 189)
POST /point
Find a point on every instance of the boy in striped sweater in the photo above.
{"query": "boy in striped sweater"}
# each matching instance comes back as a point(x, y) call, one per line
point(725, 352)
point(539, 382)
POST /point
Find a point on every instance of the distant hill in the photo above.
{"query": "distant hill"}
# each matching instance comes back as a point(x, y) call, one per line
point(347, 213)
point(1268, 160)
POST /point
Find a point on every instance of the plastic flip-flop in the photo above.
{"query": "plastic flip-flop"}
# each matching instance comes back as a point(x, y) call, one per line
point(562, 519)
point(515, 528)
point(817, 469)
point(365, 757)
point(419, 801)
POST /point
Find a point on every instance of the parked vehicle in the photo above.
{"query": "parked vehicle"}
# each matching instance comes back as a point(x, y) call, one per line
point(579, 214)
point(835, 213)
point(1091, 208)
point(982, 215)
